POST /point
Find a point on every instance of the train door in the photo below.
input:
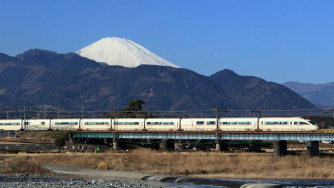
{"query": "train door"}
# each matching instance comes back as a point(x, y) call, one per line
point(246, 126)
point(254, 125)
point(295, 125)
point(115, 124)
point(261, 125)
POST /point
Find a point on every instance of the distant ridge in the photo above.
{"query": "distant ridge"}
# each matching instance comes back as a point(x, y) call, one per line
point(252, 92)
point(122, 52)
point(322, 94)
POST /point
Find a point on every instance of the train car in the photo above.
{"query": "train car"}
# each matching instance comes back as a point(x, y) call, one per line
point(37, 124)
point(65, 124)
point(286, 123)
point(198, 124)
point(162, 123)
point(11, 124)
point(96, 124)
point(238, 124)
point(128, 123)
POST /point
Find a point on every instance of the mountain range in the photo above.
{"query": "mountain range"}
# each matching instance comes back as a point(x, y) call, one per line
point(252, 92)
point(69, 81)
point(321, 94)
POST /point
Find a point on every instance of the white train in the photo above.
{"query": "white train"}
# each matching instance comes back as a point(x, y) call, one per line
point(164, 124)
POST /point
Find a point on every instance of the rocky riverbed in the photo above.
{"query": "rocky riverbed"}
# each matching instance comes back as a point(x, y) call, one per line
point(33, 180)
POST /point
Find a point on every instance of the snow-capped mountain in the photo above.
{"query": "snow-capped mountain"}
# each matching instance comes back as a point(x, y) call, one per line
point(122, 52)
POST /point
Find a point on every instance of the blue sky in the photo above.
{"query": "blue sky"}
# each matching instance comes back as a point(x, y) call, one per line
point(286, 40)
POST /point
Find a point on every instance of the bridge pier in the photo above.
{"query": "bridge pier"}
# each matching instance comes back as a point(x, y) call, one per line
point(154, 145)
point(167, 145)
point(198, 144)
point(280, 148)
point(105, 141)
point(221, 145)
point(71, 140)
point(254, 147)
point(313, 148)
point(115, 141)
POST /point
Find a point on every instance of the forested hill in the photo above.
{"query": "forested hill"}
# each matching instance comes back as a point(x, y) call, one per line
point(68, 81)
point(255, 93)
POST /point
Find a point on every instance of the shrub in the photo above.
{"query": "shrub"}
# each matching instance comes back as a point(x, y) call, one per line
point(60, 142)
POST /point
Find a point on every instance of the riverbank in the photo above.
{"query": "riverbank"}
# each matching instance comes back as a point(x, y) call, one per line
point(34, 180)
point(198, 164)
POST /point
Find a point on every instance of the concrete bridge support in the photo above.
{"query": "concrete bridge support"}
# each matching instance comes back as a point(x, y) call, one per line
point(280, 148)
point(71, 140)
point(313, 148)
point(154, 144)
point(254, 147)
point(115, 141)
point(198, 145)
point(221, 145)
point(167, 145)
point(105, 141)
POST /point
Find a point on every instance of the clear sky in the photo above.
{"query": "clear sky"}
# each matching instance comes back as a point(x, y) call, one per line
point(285, 40)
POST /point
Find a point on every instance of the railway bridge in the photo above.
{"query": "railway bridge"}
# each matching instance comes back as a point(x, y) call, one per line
point(221, 138)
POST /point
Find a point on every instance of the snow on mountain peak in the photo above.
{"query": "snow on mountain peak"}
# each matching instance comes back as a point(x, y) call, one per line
point(122, 52)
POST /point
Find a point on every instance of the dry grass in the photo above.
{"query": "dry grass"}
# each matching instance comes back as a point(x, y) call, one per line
point(216, 165)
point(20, 165)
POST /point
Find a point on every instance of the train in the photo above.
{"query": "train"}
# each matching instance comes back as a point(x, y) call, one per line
point(164, 124)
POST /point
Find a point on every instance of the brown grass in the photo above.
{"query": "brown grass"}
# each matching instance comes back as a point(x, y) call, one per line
point(215, 165)
point(20, 165)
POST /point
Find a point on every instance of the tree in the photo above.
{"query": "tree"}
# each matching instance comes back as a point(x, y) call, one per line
point(135, 105)
point(60, 142)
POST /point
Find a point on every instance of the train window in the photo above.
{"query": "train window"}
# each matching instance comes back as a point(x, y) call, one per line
point(199, 122)
point(96, 123)
point(66, 123)
point(125, 123)
point(276, 123)
point(312, 122)
point(153, 123)
point(160, 123)
point(9, 123)
point(210, 122)
point(26, 123)
point(235, 123)
point(43, 123)
point(300, 123)
point(167, 123)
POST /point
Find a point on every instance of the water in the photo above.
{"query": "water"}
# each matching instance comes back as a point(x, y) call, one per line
point(236, 183)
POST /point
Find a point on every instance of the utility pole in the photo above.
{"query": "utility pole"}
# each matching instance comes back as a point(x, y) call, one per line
point(44, 110)
point(114, 113)
point(82, 107)
point(24, 113)
point(24, 117)
point(217, 116)
point(7, 115)
point(58, 114)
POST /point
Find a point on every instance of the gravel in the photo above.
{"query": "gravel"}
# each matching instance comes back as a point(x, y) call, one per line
point(34, 180)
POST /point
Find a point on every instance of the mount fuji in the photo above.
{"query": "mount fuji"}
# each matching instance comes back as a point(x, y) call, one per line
point(122, 52)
